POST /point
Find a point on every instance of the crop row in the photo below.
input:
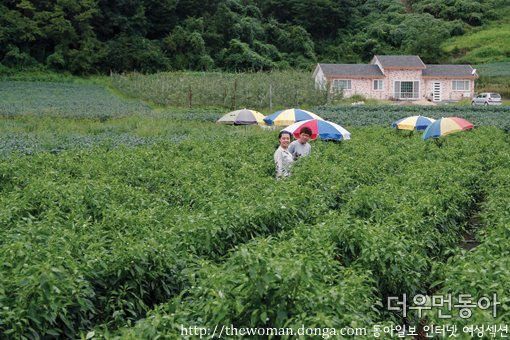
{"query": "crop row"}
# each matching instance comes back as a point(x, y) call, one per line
point(106, 241)
point(482, 272)
point(281, 282)
point(392, 230)
point(30, 134)
point(227, 90)
point(63, 100)
point(39, 100)
point(26, 135)
point(402, 225)
point(381, 115)
point(102, 235)
point(384, 115)
point(28, 144)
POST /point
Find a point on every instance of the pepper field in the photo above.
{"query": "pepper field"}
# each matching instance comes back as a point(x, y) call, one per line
point(118, 221)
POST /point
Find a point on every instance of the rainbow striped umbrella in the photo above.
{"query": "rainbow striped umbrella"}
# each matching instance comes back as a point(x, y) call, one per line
point(446, 126)
point(413, 123)
point(320, 128)
point(289, 116)
point(242, 117)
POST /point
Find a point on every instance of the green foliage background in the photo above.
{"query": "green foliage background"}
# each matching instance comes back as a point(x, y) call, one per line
point(98, 36)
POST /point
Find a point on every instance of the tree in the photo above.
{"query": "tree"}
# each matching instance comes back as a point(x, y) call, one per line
point(186, 48)
point(240, 57)
point(134, 53)
point(84, 36)
point(423, 36)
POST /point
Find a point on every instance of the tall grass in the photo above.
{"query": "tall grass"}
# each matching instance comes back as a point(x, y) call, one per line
point(485, 45)
point(226, 90)
point(494, 77)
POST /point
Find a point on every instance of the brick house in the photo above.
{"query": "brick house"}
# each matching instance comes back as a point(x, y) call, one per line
point(398, 78)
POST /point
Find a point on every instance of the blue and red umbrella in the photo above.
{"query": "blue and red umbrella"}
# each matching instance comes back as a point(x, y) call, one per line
point(322, 129)
point(289, 116)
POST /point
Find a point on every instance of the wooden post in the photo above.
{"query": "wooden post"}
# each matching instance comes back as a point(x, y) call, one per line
point(270, 97)
point(328, 92)
point(190, 97)
point(234, 96)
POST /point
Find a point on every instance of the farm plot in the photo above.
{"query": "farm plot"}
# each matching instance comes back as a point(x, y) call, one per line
point(199, 232)
point(220, 89)
point(29, 134)
point(63, 100)
point(378, 239)
point(380, 115)
point(94, 215)
point(384, 115)
point(159, 224)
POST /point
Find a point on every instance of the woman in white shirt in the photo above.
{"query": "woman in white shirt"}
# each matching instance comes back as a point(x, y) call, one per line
point(282, 157)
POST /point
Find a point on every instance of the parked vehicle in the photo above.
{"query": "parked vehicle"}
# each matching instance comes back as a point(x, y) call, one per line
point(487, 99)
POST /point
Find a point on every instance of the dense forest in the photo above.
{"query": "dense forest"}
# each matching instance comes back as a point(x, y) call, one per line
point(101, 36)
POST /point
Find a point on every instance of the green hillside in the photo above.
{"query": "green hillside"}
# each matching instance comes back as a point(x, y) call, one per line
point(100, 37)
point(482, 45)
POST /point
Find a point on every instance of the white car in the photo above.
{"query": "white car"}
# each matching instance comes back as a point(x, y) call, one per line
point(487, 99)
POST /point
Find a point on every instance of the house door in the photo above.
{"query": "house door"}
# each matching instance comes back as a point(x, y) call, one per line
point(436, 91)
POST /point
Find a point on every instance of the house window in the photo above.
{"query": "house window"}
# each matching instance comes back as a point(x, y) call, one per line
point(342, 84)
point(460, 85)
point(378, 85)
point(407, 90)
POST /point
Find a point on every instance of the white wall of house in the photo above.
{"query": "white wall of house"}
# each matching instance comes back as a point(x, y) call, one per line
point(362, 86)
point(376, 93)
point(376, 62)
point(403, 75)
point(447, 91)
point(320, 79)
point(365, 86)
